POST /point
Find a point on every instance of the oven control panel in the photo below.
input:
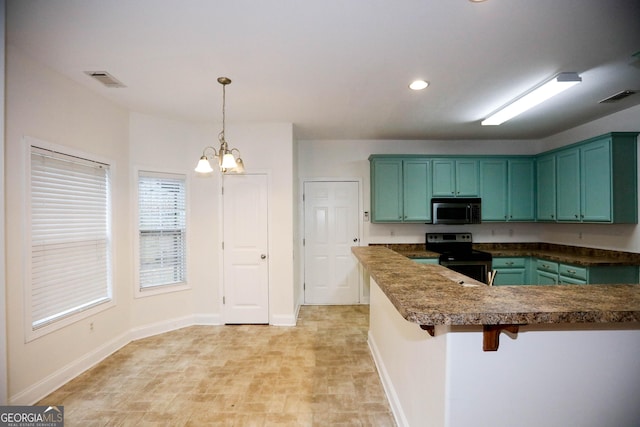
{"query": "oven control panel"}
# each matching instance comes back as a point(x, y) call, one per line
point(449, 237)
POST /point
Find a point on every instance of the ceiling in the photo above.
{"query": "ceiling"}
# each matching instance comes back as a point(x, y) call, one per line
point(339, 69)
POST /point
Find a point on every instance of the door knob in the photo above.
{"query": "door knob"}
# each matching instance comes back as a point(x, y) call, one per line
point(263, 256)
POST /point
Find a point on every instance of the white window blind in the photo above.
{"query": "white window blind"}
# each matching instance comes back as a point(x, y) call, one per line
point(70, 235)
point(162, 229)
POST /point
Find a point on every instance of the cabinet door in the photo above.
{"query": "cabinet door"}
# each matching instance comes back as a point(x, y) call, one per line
point(510, 276)
point(521, 194)
point(417, 190)
point(571, 281)
point(444, 178)
point(545, 278)
point(546, 188)
point(568, 185)
point(467, 178)
point(595, 162)
point(493, 189)
point(386, 178)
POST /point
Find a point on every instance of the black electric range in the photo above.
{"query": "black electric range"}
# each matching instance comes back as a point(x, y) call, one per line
point(457, 253)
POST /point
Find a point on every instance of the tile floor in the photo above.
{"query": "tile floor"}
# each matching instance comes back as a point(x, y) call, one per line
point(319, 373)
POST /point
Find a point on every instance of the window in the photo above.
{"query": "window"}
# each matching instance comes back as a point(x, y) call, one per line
point(69, 223)
point(162, 229)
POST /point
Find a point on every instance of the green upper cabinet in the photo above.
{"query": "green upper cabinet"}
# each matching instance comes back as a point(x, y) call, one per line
point(568, 185)
point(493, 189)
point(507, 189)
point(596, 177)
point(400, 189)
point(521, 196)
point(546, 188)
point(455, 177)
point(592, 181)
point(417, 190)
point(597, 180)
point(386, 190)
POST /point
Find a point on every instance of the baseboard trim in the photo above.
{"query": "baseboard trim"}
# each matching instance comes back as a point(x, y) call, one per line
point(208, 319)
point(161, 327)
point(57, 379)
point(284, 320)
point(387, 385)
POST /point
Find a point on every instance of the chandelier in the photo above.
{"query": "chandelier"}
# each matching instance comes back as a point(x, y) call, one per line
point(223, 156)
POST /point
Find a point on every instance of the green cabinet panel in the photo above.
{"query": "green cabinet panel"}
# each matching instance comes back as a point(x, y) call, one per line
point(467, 178)
point(546, 272)
point(386, 190)
point(595, 175)
point(521, 196)
point(400, 189)
point(416, 190)
point(507, 189)
point(597, 181)
point(568, 185)
point(455, 178)
point(549, 272)
point(546, 188)
point(493, 189)
point(510, 271)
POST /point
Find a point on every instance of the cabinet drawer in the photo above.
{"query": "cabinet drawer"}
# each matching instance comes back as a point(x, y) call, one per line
point(544, 265)
point(573, 271)
point(506, 262)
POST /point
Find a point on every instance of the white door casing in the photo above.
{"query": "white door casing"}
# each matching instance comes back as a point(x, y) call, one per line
point(331, 228)
point(245, 240)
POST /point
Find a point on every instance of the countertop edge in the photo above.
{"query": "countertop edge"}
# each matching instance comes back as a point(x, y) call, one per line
point(423, 294)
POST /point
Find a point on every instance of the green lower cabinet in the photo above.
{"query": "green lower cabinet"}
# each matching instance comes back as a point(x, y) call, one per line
point(510, 271)
point(546, 272)
point(553, 273)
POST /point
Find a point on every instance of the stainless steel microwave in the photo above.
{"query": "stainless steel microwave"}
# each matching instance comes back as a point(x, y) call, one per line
point(456, 210)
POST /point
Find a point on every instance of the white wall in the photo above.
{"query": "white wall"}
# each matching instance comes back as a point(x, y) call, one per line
point(171, 145)
point(41, 103)
point(350, 158)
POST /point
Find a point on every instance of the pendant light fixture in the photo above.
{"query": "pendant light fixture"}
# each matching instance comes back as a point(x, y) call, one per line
point(226, 161)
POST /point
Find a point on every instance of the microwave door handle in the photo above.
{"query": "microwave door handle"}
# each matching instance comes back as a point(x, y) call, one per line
point(468, 213)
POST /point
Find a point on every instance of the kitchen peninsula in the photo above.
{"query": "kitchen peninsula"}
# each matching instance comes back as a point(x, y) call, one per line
point(570, 358)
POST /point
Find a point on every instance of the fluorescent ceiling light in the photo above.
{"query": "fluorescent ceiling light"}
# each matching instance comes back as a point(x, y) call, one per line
point(543, 92)
point(418, 85)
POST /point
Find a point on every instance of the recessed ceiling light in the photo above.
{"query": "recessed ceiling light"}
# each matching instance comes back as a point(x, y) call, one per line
point(418, 85)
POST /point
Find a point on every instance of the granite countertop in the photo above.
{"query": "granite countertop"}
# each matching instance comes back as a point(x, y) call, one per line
point(434, 295)
point(552, 252)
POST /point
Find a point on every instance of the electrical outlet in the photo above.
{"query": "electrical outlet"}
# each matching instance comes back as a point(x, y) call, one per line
point(91, 327)
point(511, 232)
point(392, 233)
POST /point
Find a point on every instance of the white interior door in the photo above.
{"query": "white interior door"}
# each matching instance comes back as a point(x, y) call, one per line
point(330, 230)
point(246, 260)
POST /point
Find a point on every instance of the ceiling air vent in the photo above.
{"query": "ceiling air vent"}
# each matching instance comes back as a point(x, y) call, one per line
point(618, 96)
point(105, 78)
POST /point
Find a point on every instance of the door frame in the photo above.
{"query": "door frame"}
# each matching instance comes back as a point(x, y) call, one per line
point(364, 299)
point(221, 286)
